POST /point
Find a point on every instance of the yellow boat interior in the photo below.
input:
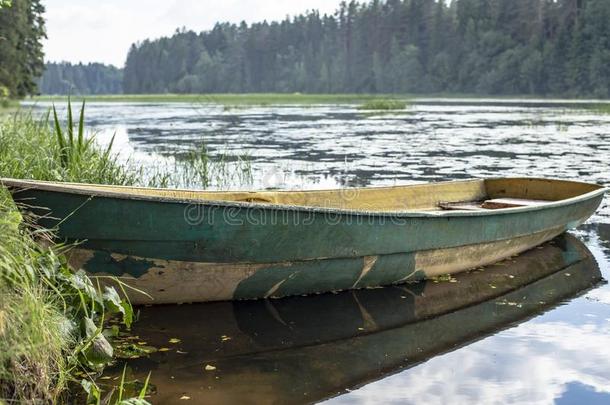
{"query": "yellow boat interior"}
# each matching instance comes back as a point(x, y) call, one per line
point(479, 194)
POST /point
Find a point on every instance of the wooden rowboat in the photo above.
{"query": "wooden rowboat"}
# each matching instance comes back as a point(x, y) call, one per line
point(186, 246)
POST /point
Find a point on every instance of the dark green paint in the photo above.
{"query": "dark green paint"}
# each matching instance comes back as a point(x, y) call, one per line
point(327, 275)
point(157, 229)
point(301, 278)
point(103, 262)
point(389, 268)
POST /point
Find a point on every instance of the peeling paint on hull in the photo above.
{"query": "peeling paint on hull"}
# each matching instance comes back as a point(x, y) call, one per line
point(167, 281)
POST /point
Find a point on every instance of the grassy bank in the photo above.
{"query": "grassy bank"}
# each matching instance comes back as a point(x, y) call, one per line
point(52, 318)
point(34, 339)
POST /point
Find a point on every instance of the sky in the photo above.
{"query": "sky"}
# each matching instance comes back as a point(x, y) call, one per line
point(103, 31)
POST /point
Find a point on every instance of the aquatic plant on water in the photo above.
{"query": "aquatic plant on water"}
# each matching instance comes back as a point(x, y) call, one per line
point(201, 170)
point(383, 104)
point(601, 108)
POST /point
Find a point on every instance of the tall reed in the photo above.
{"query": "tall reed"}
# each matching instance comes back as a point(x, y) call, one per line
point(32, 148)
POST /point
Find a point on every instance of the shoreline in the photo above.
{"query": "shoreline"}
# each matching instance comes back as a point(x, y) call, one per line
point(304, 99)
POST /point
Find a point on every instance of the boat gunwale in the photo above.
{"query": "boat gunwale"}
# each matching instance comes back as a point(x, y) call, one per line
point(69, 188)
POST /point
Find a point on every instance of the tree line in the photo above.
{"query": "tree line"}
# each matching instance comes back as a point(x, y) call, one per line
point(556, 47)
point(539, 47)
point(22, 29)
point(91, 78)
point(22, 68)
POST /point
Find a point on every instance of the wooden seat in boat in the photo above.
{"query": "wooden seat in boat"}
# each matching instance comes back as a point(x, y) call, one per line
point(497, 203)
point(493, 204)
point(461, 206)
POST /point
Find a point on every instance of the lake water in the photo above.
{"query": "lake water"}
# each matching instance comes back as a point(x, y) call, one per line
point(547, 341)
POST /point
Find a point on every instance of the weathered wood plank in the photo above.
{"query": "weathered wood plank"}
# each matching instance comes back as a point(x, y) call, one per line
point(498, 203)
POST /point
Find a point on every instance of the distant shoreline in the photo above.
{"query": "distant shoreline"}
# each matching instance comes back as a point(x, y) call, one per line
point(263, 99)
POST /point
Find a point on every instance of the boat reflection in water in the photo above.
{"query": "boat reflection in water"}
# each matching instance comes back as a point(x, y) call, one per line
point(306, 349)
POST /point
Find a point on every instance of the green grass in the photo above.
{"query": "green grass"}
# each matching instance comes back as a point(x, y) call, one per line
point(34, 339)
point(30, 149)
point(383, 104)
point(601, 108)
point(32, 351)
point(51, 317)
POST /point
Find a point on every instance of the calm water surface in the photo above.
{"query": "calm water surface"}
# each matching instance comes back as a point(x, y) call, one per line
point(541, 341)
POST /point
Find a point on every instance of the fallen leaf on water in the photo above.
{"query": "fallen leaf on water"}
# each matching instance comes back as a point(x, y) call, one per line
point(174, 340)
point(185, 397)
point(209, 367)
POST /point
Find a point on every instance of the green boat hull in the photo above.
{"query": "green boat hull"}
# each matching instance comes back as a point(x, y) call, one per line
point(184, 251)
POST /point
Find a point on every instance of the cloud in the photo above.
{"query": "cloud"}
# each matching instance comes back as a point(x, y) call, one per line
point(90, 31)
point(532, 363)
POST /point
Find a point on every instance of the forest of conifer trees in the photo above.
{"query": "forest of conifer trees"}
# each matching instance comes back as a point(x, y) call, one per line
point(22, 29)
point(556, 47)
point(485, 47)
point(79, 78)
